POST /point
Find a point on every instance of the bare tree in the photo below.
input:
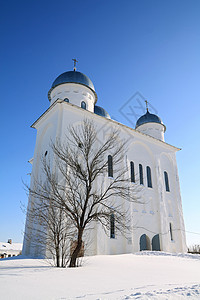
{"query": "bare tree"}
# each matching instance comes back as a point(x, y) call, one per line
point(78, 183)
point(48, 230)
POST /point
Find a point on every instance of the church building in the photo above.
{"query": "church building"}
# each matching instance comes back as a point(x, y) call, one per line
point(157, 222)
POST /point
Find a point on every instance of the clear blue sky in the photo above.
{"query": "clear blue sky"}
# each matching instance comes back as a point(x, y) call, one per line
point(124, 46)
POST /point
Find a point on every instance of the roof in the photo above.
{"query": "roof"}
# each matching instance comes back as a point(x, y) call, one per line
point(98, 110)
point(148, 118)
point(8, 246)
point(59, 101)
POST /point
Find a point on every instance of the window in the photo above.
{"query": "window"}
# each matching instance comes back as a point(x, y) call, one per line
point(110, 166)
point(83, 105)
point(45, 153)
point(170, 230)
point(132, 171)
point(166, 181)
point(149, 181)
point(141, 174)
point(112, 226)
point(66, 100)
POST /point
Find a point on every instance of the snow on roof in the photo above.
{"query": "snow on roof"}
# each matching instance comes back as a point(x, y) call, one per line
point(8, 246)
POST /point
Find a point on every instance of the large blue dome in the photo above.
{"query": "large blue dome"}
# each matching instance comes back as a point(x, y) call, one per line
point(73, 77)
point(148, 118)
point(98, 110)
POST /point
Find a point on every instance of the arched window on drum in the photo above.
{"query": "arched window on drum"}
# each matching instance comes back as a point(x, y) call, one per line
point(83, 105)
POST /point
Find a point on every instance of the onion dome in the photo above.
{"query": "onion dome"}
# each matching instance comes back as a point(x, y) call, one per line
point(98, 110)
point(73, 77)
point(148, 118)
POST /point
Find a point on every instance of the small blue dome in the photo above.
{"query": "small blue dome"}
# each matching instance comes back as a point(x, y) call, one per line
point(98, 110)
point(148, 118)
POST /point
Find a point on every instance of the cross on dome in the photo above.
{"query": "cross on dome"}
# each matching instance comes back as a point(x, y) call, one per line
point(75, 61)
point(146, 105)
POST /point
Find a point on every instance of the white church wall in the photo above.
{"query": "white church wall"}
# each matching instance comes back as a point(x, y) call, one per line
point(152, 216)
point(145, 214)
point(173, 204)
point(46, 131)
point(148, 214)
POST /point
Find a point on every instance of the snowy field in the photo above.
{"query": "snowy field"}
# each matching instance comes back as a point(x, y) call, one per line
point(144, 275)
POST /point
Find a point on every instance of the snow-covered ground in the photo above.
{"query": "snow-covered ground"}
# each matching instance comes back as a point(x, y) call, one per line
point(144, 275)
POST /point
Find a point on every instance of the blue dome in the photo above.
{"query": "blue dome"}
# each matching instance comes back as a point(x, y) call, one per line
point(73, 77)
point(98, 110)
point(148, 118)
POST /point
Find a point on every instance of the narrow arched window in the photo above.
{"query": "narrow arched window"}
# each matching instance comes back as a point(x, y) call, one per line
point(83, 105)
point(132, 171)
point(112, 226)
point(166, 181)
point(110, 166)
point(149, 180)
point(141, 174)
point(170, 230)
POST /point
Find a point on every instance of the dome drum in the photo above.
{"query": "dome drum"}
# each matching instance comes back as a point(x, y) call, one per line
point(75, 94)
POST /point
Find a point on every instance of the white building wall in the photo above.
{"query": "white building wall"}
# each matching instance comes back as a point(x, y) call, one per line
point(157, 208)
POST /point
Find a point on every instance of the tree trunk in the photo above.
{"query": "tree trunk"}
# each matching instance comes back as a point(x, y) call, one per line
point(62, 263)
point(76, 251)
point(57, 261)
point(57, 258)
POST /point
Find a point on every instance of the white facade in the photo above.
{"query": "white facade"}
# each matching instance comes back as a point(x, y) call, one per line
point(160, 213)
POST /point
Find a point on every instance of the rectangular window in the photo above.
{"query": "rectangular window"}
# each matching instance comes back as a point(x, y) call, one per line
point(112, 226)
point(170, 229)
point(132, 172)
point(110, 166)
point(166, 182)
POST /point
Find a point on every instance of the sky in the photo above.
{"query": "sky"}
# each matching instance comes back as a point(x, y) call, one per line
point(133, 49)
